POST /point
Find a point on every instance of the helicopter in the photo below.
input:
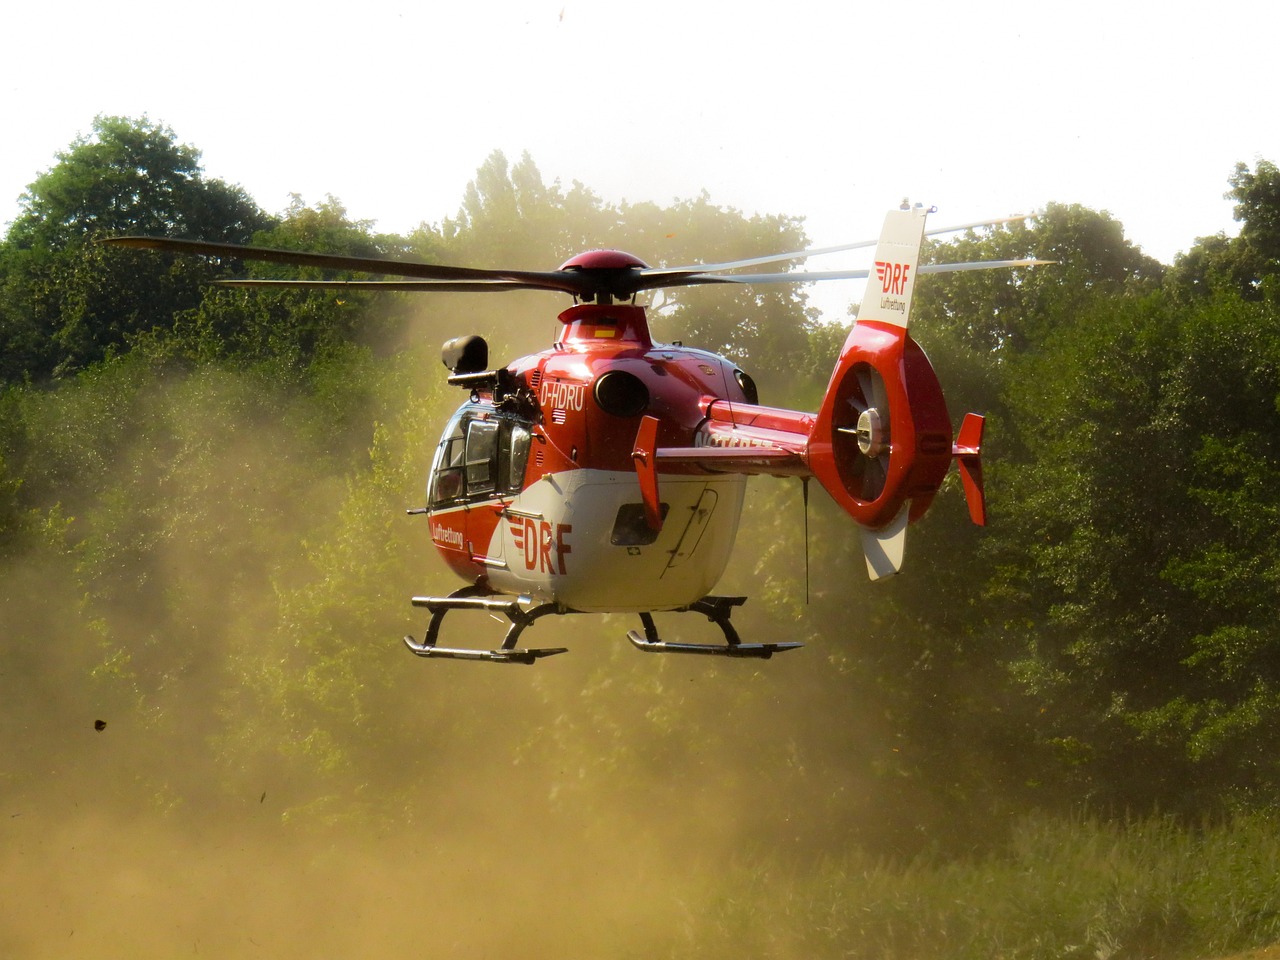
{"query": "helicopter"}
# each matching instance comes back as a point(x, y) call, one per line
point(607, 473)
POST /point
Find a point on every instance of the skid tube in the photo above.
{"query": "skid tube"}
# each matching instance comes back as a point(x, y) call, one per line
point(717, 610)
point(475, 598)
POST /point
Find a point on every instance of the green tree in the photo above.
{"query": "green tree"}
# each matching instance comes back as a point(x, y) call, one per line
point(1257, 196)
point(66, 302)
point(1136, 556)
point(510, 217)
point(1003, 312)
point(1241, 264)
point(1226, 389)
point(290, 328)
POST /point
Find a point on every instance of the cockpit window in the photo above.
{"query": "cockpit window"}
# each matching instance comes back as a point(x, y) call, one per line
point(480, 457)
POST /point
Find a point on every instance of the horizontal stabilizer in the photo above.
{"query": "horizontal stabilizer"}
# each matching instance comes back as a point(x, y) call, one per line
point(749, 454)
point(746, 459)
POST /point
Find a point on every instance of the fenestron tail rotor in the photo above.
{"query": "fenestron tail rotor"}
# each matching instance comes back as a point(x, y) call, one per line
point(869, 431)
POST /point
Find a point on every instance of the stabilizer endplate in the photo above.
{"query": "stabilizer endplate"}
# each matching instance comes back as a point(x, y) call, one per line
point(968, 453)
point(644, 455)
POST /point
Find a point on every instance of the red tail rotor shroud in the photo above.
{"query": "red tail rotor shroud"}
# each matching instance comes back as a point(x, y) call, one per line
point(919, 427)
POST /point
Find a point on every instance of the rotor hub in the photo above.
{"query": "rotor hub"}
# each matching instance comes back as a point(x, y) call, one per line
point(603, 260)
point(871, 436)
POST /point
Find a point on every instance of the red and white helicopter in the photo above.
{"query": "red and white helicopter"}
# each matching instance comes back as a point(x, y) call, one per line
point(606, 474)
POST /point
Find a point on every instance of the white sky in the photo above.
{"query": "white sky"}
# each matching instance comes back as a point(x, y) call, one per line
point(833, 111)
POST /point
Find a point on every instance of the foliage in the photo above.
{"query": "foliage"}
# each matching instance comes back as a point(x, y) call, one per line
point(1242, 265)
point(289, 329)
point(1058, 889)
point(1148, 443)
point(1003, 313)
point(66, 302)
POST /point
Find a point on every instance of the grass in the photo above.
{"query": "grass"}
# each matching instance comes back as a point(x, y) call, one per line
point(1083, 890)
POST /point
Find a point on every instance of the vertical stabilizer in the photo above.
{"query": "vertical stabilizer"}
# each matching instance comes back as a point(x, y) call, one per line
point(888, 295)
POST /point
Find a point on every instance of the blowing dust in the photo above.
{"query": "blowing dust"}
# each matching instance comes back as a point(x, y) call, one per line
point(215, 744)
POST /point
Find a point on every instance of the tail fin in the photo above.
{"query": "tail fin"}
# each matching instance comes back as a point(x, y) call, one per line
point(888, 297)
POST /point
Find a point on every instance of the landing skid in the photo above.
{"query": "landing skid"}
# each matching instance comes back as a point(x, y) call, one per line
point(717, 610)
point(471, 598)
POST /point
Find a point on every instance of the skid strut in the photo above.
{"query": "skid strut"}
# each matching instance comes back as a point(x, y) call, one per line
point(472, 598)
point(717, 610)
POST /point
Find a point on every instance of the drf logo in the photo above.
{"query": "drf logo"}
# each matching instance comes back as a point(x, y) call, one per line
point(892, 276)
point(542, 544)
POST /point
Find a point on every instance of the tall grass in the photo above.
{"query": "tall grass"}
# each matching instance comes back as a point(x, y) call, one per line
point(1059, 889)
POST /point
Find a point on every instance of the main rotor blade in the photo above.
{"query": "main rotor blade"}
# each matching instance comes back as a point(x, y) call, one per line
point(400, 286)
point(841, 248)
point(981, 265)
point(861, 274)
point(623, 286)
point(617, 283)
point(549, 280)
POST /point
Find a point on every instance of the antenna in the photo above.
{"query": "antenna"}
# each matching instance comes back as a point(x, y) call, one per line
point(804, 496)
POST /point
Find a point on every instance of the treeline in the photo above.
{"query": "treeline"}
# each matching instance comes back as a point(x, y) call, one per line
point(202, 493)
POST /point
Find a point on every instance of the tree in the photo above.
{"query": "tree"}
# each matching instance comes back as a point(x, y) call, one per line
point(1257, 196)
point(1226, 388)
point(510, 217)
point(1241, 264)
point(290, 328)
point(1003, 313)
point(66, 302)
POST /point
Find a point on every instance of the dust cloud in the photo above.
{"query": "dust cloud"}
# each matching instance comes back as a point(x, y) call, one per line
point(215, 745)
point(522, 822)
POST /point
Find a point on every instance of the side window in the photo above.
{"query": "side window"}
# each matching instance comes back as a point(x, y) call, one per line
point(482, 457)
point(517, 457)
point(630, 529)
point(447, 474)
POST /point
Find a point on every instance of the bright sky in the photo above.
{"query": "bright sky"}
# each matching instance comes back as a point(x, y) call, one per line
point(833, 111)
